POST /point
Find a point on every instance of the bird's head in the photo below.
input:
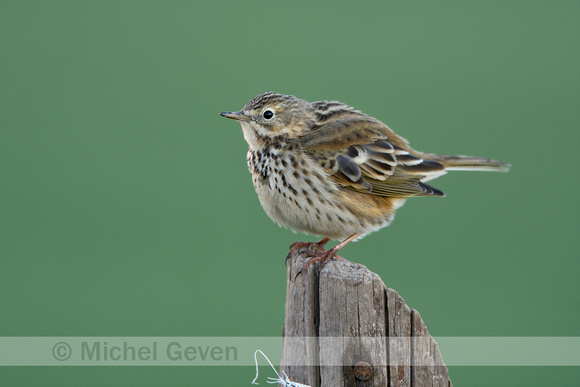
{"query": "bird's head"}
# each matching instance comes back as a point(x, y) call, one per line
point(271, 116)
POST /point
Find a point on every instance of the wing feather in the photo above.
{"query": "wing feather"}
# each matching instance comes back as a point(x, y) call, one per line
point(366, 156)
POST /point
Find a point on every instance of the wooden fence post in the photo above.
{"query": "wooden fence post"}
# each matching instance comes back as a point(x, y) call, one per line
point(343, 327)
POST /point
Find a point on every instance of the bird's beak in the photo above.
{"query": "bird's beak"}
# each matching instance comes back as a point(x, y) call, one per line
point(238, 116)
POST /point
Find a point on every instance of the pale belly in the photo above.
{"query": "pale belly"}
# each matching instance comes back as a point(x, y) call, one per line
point(306, 200)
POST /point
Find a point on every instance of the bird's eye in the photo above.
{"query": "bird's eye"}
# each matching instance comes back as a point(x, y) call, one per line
point(268, 114)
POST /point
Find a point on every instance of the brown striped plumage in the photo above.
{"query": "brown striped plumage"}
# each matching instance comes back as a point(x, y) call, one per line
point(327, 169)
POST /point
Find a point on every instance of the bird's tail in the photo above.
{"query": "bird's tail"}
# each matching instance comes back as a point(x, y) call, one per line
point(469, 163)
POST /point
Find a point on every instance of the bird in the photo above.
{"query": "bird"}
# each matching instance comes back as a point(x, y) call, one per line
point(327, 169)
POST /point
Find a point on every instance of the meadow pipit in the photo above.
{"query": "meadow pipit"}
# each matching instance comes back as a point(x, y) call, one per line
point(327, 169)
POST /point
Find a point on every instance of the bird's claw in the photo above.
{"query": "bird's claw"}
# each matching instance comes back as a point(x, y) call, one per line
point(324, 258)
point(319, 246)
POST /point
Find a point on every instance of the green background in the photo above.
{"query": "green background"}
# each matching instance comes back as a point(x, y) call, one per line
point(127, 208)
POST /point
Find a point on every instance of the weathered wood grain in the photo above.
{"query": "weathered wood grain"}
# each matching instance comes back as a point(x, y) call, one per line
point(301, 353)
point(428, 367)
point(343, 327)
point(399, 320)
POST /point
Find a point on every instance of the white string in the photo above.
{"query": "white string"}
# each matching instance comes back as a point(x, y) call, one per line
point(285, 381)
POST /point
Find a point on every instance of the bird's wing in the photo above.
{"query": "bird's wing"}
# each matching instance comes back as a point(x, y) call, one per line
point(362, 154)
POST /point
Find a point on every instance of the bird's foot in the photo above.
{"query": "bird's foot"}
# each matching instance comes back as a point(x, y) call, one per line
point(323, 257)
point(318, 246)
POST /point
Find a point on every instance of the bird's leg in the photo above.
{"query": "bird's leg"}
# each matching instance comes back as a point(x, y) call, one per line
point(298, 245)
point(325, 256)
